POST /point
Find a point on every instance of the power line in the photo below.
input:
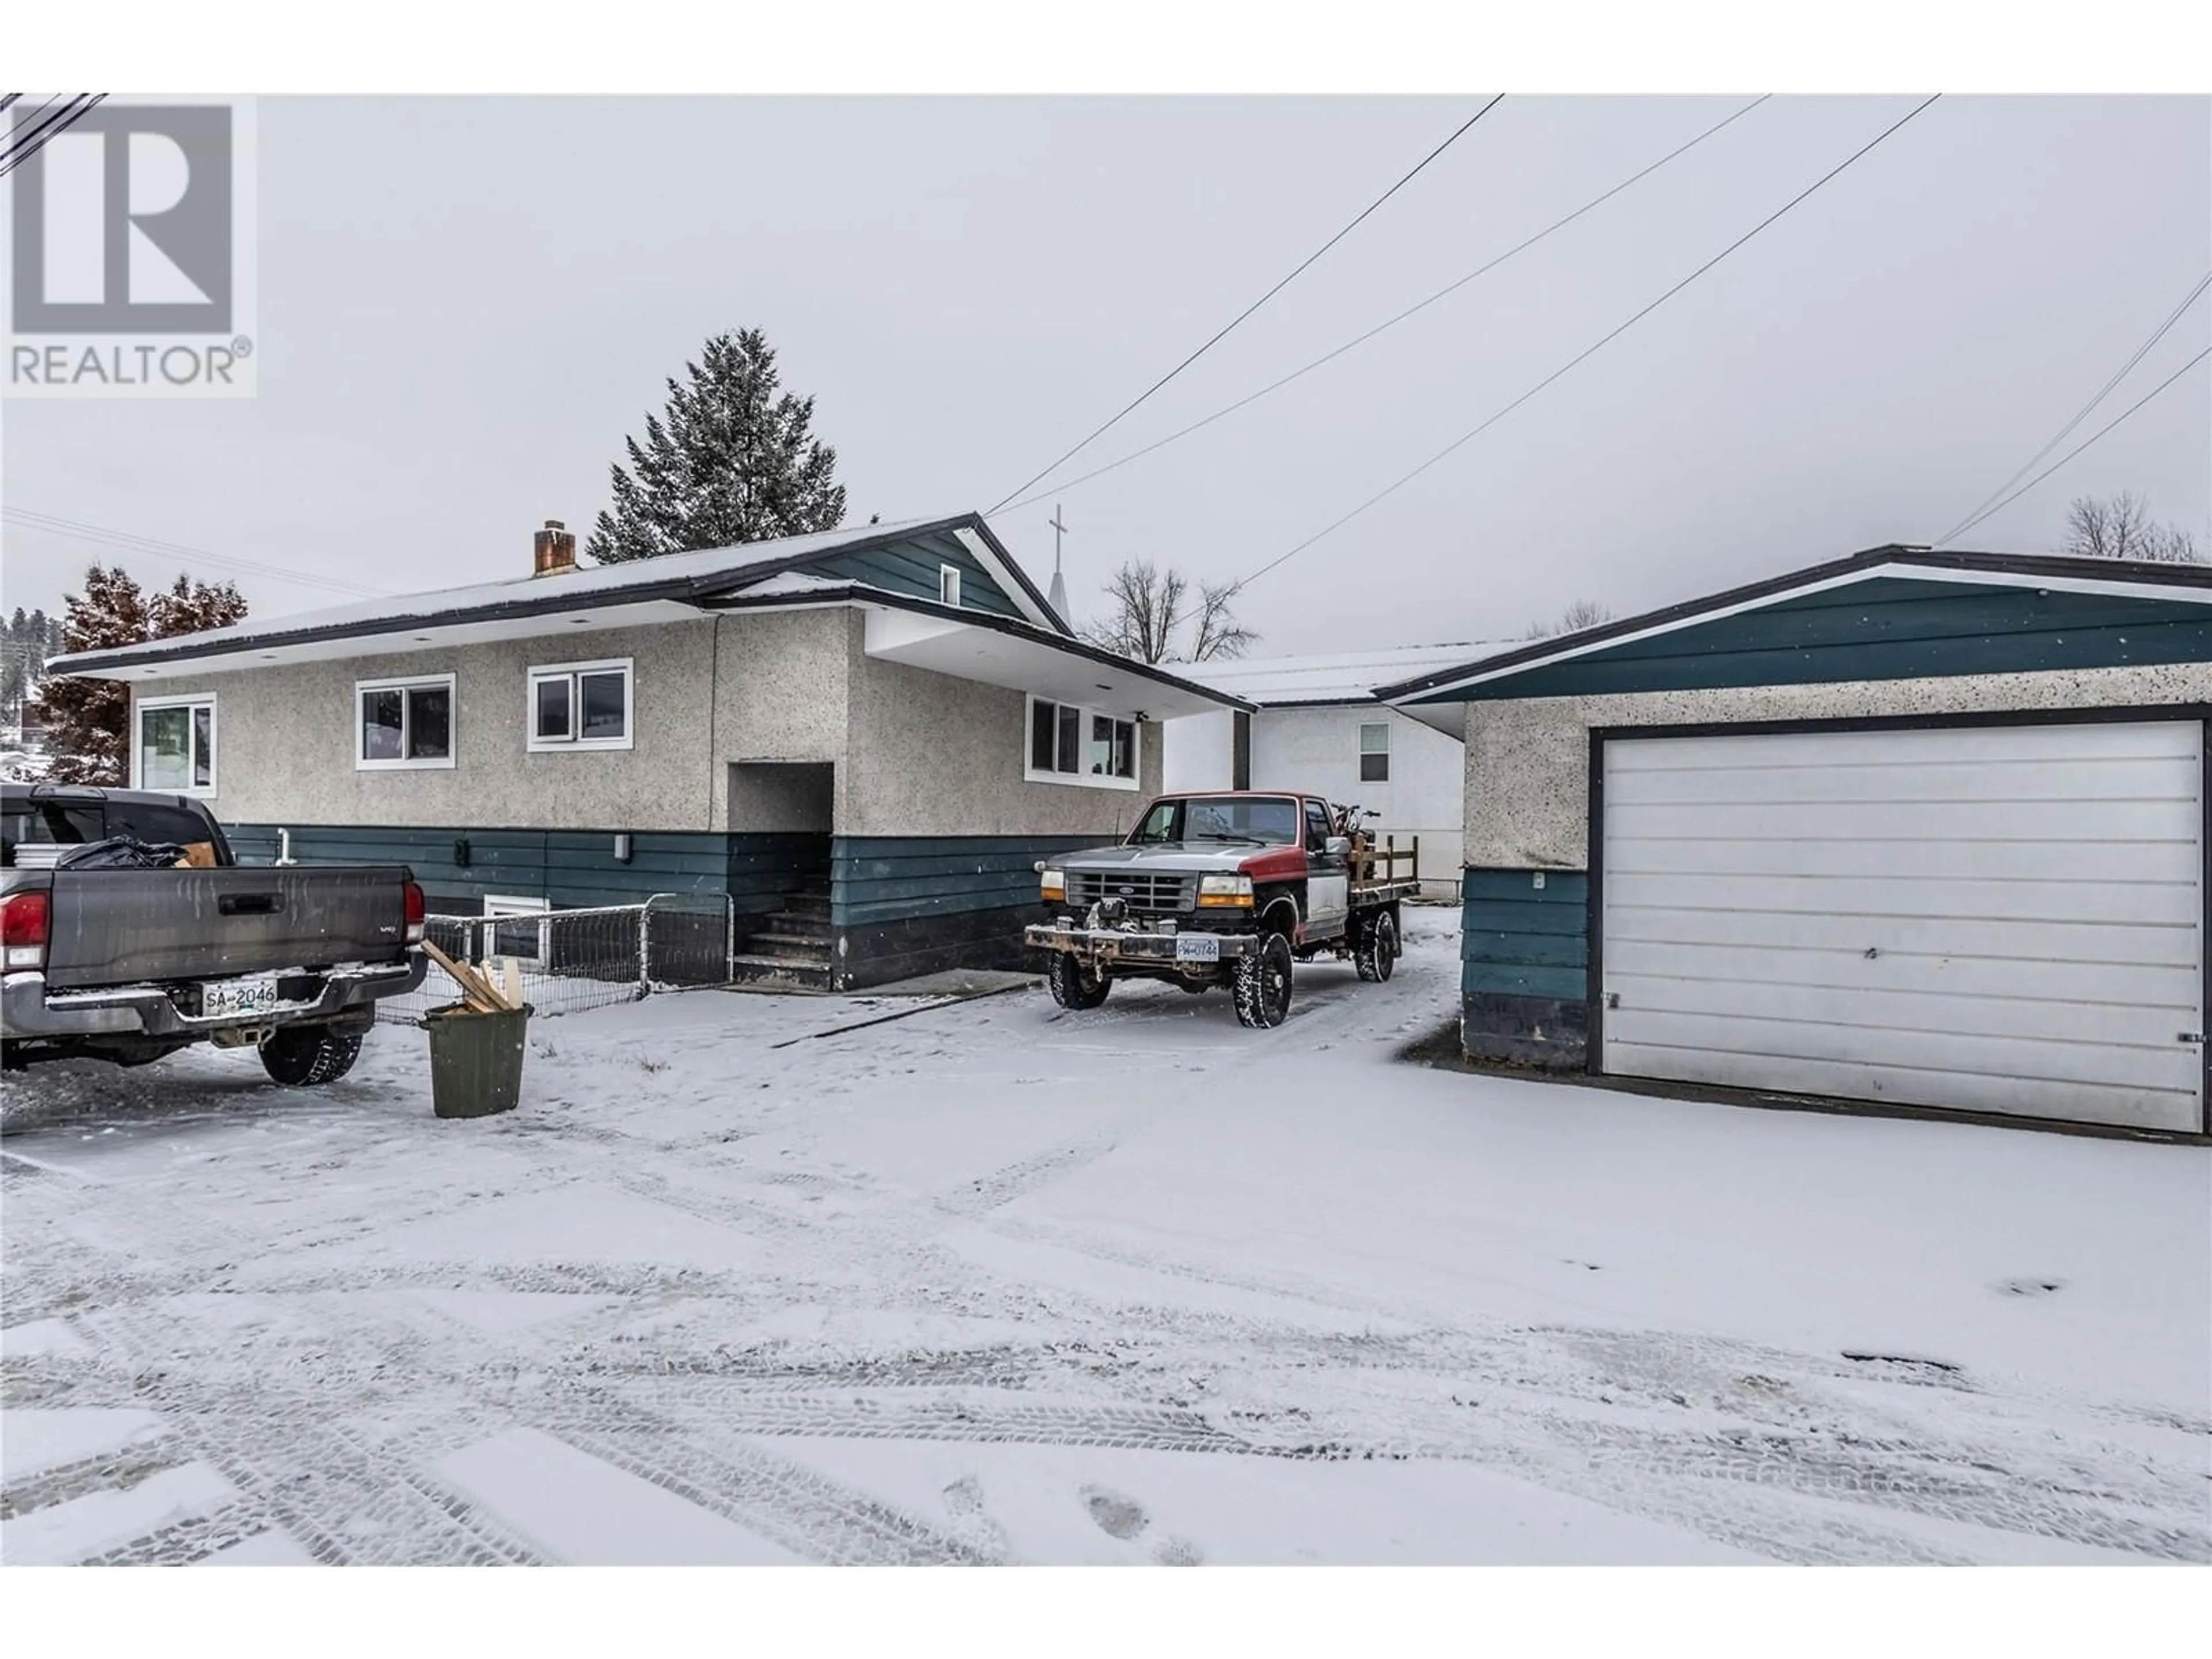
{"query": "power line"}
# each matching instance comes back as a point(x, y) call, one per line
point(1589, 351)
point(127, 541)
point(2082, 413)
point(2078, 447)
point(1359, 340)
point(1223, 333)
point(23, 145)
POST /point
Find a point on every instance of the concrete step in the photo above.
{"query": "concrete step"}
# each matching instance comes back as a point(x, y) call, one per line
point(749, 970)
point(789, 947)
point(793, 924)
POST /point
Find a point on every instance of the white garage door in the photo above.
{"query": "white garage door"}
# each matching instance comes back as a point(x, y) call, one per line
point(1991, 919)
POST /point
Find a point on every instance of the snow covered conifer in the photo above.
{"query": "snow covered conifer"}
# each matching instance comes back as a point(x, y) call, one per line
point(88, 720)
point(729, 460)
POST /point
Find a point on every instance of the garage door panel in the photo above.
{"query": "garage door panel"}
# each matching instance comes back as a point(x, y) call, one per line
point(2026, 780)
point(1906, 893)
point(2005, 860)
point(2097, 741)
point(2177, 819)
point(2171, 990)
point(1991, 919)
point(1884, 1010)
point(2051, 1060)
point(2172, 1111)
point(2068, 943)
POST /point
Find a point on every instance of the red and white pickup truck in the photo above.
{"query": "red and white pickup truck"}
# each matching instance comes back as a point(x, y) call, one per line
point(1225, 888)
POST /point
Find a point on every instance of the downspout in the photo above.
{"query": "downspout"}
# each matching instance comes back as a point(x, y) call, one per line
point(713, 707)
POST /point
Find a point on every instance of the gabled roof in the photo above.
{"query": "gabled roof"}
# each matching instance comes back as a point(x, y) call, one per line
point(1888, 613)
point(1335, 679)
point(678, 578)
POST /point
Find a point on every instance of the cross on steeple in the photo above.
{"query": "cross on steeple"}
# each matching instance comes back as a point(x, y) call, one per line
point(1057, 594)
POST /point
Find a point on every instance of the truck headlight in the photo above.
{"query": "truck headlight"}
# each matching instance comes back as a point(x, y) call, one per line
point(1225, 892)
point(1052, 885)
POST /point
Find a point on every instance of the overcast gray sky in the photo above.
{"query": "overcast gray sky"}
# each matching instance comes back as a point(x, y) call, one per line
point(467, 304)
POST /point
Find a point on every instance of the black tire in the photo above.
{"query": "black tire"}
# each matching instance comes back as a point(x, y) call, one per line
point(1263, 984)
point(1196, 986)
point(308, 1056)
point(1376, 951)
point(1071, 986)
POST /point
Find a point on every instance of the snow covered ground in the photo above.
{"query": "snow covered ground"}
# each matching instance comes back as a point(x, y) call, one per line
point(995, 1283)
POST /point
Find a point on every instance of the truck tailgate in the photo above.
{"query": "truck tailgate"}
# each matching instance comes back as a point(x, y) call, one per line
point(126, 926)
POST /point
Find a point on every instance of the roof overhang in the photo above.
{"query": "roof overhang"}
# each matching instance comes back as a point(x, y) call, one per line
point(2191, 585)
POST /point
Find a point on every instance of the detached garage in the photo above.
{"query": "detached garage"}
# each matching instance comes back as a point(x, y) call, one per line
point(1911, 829)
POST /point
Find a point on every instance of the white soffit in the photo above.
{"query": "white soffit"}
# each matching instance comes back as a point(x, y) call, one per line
point(967, 652)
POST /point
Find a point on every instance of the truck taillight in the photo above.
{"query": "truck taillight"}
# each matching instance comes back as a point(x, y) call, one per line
point(24, 919)
point(416, 910)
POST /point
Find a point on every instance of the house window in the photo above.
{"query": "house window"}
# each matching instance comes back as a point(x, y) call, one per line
point(948, 584)
point(176, 744)
point(1069, 743)
point(1375, 754)
point(404, 723)
point(580, 705)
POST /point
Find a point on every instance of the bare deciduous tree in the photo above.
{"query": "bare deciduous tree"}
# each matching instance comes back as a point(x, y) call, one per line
point(2120, 527)
point(1582, 613)
point(1147, 607)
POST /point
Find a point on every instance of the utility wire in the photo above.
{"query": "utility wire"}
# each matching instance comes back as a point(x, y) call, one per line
point(1588, 352)
point(128, 542)
point(1410, 311)
point(23, 146)
point(1223, 333)
point(2078, 447)
point(2080, 415)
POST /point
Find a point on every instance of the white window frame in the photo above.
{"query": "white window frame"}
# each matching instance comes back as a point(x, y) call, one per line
point(1365, 727)
point(948, 585)
point(505, 907)
point(1085, 714)
point(574, 673)
point(196, 700)
point(444, 762)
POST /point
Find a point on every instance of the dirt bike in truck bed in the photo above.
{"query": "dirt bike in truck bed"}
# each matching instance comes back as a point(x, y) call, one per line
point(1221, 889)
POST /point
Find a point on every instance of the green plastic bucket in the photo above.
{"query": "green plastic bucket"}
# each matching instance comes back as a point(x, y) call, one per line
point(476, 1060)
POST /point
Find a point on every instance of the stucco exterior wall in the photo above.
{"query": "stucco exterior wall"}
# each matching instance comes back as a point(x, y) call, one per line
point(1528, 763)
point(285, 741)
point(929, 754)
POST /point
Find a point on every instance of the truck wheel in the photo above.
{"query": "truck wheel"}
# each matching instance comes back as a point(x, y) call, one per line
point(307, 1056)
point(1071, 986)
point(1376, 952)
point(1263, 984)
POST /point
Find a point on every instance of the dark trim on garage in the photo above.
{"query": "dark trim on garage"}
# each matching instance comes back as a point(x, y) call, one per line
point(2131, 713)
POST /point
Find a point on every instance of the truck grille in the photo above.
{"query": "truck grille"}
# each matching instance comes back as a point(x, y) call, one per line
point(1145, 893)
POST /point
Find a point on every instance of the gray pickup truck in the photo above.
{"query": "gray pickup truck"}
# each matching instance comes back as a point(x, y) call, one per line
point(131, 964)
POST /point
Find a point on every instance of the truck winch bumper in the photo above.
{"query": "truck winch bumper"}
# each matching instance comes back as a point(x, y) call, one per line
point(1113, 945)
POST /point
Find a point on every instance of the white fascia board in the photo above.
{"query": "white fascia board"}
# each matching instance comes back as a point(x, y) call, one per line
point(1009, 584)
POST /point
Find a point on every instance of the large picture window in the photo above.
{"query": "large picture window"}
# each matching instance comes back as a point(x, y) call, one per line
point(580, 705)
point(175, 746)
point(1069, 743)
point(404, 723)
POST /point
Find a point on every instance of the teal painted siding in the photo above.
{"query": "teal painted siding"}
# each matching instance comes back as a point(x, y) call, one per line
point(881, 878)
point(910, 568)
point(571, 869)
point(1519, 939)
point(1881, 630)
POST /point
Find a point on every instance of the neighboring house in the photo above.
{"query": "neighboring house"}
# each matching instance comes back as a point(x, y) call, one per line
point(1318, 727)
point(867, 737)
point(1917, 829)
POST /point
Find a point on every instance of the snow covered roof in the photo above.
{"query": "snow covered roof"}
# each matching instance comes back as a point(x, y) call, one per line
point(1340, 678)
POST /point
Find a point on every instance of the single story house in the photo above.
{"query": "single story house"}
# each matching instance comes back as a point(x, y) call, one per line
point(1917, 829)
point(1316, 724)
point(866, 737)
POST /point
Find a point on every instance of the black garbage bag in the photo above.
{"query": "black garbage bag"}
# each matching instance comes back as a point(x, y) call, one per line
point(121, 852)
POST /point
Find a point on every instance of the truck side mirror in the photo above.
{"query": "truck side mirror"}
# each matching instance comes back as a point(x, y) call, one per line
point(1336, 846)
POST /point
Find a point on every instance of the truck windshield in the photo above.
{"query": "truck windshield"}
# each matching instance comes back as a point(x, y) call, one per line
point(1261, 820)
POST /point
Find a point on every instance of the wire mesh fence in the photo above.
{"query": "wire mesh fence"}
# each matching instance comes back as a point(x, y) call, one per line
point(566, 961)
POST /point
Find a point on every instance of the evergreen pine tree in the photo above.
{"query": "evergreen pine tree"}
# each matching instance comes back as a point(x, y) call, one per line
point(728, 461)
point(88, 720)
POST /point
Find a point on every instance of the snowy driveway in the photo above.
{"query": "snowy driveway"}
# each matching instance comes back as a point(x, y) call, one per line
point(998, 1284)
